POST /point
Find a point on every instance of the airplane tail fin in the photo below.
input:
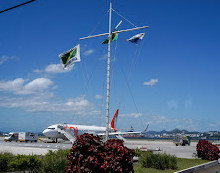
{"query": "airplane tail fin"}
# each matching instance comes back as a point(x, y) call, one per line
point(114, 121)
point(145, 130)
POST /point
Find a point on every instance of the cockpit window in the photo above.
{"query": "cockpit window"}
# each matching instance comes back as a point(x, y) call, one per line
point(51, 128)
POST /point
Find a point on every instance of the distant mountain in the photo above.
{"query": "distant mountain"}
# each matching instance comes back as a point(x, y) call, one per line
point(175, 131)
point(178, 131)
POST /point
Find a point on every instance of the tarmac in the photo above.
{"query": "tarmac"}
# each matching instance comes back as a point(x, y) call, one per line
point(165, 146)
point(41, 148)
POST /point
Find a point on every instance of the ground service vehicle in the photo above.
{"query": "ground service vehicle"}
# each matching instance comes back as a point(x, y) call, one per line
point(27, 136)
point(22, 136)
point(181, 140)
point(12, 136)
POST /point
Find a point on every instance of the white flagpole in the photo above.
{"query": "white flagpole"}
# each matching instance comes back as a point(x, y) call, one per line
point(108, 74)
point(108, 63)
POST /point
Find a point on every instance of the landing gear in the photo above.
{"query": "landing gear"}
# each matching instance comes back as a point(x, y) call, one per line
point(55, 140)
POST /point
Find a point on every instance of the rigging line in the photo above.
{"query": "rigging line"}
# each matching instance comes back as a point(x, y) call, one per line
point(141, 46)
point(17, 6)
point(135, 59)
point(129, 74)
point(90, 77)
point(114, 59)
point(82, 63)
point(85, 75)
point(133, 99)
point(98, 23)
point(84, 69)
point(124, 18)
point(129, 91)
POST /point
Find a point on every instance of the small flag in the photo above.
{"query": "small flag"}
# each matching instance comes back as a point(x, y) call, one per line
point(70, 57)
point(115, 35)
point(114, 38)
point(136, 39)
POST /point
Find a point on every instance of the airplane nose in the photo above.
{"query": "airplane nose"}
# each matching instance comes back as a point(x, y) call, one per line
point(45, 132)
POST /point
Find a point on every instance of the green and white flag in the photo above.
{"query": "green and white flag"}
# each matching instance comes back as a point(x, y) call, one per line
point(71, 56)
point(114, 37)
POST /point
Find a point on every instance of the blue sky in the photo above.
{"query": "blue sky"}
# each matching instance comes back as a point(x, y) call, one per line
point(173, 82)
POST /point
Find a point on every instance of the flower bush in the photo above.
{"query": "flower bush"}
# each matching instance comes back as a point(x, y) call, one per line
point(90, 154)
point(207, 151)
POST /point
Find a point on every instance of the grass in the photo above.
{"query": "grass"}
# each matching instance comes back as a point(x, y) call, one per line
point(181, 163)
point(187, 163)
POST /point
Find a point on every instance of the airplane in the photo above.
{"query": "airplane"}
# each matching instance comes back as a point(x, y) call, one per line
point(53, 132)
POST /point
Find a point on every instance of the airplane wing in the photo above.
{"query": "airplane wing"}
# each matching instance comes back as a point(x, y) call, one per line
point(124, 133)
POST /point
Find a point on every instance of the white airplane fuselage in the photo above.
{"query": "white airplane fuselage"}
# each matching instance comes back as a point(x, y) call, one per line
point(52, 131)
point(56, 131)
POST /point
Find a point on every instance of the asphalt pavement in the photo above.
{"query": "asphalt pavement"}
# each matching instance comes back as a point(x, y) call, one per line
point(42, 148)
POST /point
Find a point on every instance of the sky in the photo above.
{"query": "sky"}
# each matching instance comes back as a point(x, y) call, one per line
point(170, 80)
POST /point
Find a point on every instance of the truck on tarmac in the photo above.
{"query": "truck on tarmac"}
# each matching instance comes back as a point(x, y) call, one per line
point(12, 136)
point(181, 140)
point(21, 136)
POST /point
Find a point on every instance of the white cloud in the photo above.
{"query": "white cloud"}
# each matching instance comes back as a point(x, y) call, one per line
point(3, 59)
point(135, 115)
point(47, 103)
point(173, 104)
point(37, 85)
point(57, 68)
point(18, 86)
point(163, 119)
point(169, 123)
point(37, 71)
point(104, 57)
point(36, 96)
point(151, 82)
point(11, 86)
point(88, 52)
point(54, 68)
point(97, 96)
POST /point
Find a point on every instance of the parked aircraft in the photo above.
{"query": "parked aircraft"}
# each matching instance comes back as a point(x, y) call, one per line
point(53, 132)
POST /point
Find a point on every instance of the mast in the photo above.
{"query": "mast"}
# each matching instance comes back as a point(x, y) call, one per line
point(108, 73)
point(108, 62)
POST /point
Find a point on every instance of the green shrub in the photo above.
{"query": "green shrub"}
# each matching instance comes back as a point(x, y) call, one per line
point(54, 161)
point(173, 162)
point(24, 163)
point(34, 163)
point(137, 152)
point(158, 161)
point(5, 158)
